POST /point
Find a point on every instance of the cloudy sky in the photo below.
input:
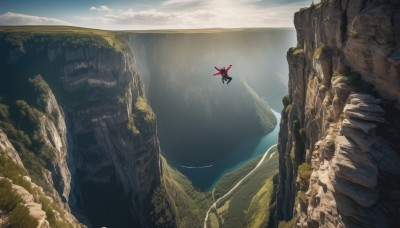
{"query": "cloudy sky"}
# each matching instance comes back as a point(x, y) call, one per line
point(151, 14)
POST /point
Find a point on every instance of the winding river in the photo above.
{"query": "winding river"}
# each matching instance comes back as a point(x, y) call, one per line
point(207, 177)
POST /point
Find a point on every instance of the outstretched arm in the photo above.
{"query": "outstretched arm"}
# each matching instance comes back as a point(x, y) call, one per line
point(218, 73)
point(229, 67)
point(217, 68)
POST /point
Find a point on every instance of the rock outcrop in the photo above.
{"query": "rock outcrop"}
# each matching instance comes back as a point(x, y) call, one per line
point(9, 150)
point(340, 117)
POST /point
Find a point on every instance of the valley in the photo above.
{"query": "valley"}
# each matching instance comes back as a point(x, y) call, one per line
point(77, 105)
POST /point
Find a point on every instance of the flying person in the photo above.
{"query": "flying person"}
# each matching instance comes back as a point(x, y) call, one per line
point(224, 73)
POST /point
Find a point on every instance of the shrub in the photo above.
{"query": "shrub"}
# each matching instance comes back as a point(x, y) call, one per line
point(286, 100)
point(8, 168)
point(297, 51)
point(8, 198)
point(287, 224)
point(144, 108)
point(304, 170)
point(11, 203)
point(19, 217)
point(41, 89)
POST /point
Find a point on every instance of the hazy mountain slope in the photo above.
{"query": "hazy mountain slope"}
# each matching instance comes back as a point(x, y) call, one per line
point(339, 139)
point(201, 119)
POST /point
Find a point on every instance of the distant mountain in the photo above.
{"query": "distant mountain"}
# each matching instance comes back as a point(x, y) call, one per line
point(200, 119)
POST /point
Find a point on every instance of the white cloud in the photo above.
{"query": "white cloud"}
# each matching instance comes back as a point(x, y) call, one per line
point(223, 14)
point(178, 2)
point(100, 9)
point(10, 18)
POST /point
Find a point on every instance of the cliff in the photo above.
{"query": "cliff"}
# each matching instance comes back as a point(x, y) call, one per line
point(338, 144)
point(74, 108)
point(78, 137)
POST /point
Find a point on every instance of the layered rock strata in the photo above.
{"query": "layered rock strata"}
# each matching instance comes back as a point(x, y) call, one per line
point(339, 159)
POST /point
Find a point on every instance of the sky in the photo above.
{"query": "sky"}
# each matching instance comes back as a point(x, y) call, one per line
point(151, 14)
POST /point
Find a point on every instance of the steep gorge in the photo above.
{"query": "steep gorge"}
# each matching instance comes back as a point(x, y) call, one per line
point(338, 144)
point(74, 110)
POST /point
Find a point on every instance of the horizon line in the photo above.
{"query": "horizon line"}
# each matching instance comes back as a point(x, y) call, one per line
point(149, 30)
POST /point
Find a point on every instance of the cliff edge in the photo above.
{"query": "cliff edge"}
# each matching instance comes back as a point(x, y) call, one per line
point(338, 144)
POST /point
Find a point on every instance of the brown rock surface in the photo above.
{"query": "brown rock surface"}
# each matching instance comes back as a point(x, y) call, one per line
point(350, 75)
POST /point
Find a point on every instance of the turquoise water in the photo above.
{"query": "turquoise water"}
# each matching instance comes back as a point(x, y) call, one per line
point(207, 177)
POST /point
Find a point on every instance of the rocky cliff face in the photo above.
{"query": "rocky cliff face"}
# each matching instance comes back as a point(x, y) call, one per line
point(113, 131)
point(87, 122)
point(339, 159)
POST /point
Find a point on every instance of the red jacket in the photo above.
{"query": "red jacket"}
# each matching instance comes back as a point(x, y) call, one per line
point(219, 71)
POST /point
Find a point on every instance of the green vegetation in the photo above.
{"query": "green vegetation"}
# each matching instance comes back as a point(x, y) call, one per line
point(41, 89)
point(297, 51)
point(319, 50)
point(8, 168)
point(230, 179)
point(259, 209)
point(322, 3)
point(144, 108)
point(19, 36)
point(304, 170)
point(11, 205)
point(263, 111)
point(162, 214)
point(24, 143)
point(249, 204)
point(21, 121)
point(10, 202)
point(176, 196)
point(287, 224)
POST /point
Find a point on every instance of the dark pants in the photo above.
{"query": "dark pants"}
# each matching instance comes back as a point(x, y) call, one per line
point(226, 77)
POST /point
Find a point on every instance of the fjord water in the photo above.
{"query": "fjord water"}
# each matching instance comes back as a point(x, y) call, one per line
point(194, 127)
point(206, 177)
